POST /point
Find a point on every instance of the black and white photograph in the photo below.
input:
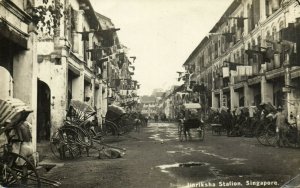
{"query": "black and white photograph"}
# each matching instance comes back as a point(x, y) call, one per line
point(150, 93)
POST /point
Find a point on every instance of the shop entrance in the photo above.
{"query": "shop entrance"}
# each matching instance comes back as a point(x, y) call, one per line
point(43, 112)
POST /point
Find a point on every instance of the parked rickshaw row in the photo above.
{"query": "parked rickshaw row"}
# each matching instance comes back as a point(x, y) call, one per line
point(81, 131)
point(255, 121)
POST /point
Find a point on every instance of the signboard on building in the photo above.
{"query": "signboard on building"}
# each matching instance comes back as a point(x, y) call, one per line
point(286, 90)
point(224, 100)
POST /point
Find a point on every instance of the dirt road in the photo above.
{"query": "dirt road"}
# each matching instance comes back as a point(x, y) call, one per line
point(155, 158)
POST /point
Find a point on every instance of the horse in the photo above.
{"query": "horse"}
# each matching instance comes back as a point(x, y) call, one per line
point(185, 126)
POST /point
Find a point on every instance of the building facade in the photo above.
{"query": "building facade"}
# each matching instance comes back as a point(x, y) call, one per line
point(18, 67)
point(251, 56)
point(84, 61)
point(49, 57)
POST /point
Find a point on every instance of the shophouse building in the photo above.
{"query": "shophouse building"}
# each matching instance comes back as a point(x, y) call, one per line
point(82, 61)
point(251, 56)
point(18, 67)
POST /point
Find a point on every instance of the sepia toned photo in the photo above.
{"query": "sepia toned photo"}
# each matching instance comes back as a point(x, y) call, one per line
point(150, 93)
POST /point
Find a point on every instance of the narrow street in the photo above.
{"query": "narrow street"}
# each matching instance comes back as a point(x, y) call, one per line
point(155, 158)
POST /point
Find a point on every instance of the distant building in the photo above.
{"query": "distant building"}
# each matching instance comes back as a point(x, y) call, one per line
point(149, 105)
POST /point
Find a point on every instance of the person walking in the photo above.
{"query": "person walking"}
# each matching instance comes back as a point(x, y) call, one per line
point(281, 126)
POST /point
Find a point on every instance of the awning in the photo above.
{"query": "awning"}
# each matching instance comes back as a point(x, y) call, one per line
point(255, 80)
point(116, 109)
point(295, 73)
point(238, 86)
point(275, 73)
point(226, 89)
point(192, 106)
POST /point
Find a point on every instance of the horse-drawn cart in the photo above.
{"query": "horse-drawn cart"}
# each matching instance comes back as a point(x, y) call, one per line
point(191, 121)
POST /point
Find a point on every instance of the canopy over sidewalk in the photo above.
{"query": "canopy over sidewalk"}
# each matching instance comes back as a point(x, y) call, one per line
point(192, 106)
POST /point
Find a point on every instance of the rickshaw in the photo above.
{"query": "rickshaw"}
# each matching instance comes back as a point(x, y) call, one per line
point(17, 160)
point(80, 132)
point(191, 121)
point(265, 130)
point(120, 121)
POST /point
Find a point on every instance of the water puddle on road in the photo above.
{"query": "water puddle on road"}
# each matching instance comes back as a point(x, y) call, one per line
point(157, 137)
point(216, 172)
point(189, 151)
point(237, 161)
point(164, 168)
point(192, 164)
point(162, 132)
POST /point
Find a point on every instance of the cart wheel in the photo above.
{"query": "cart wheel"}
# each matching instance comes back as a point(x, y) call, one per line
point(56, 143)
point(24, 169)
point(83, 137)
point(110, 128)
point(66, 143)
point(271, 138)
point(262, 138)
point(8, 177)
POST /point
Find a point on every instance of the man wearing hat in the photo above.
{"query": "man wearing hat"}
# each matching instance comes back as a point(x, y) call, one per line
point(281, 126)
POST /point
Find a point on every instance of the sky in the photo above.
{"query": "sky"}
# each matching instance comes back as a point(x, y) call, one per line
point(161, 34)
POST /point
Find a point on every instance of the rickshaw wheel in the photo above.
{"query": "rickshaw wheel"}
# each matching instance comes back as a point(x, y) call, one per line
point(262, 138)
point(9, 177)
point(111, 129)
point(66, 143)
point(55, 144)
point(25, 170)
point(271, 138)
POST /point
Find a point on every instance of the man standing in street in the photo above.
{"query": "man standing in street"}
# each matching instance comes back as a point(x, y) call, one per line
point(281, 126)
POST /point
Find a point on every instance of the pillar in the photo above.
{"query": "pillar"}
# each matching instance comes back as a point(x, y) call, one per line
point(263, 15)
point(25, 80)
point(214, 100)
point(78, 86)
point(221, 98)
point(59, 94)
point(248, 95)
point(99, 103)
point(266, 91)
point(245, 8)
point(80, 28)
point(104, 100)
point(234, 98)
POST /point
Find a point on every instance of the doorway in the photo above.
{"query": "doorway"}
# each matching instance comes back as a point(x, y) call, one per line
point(43, 112)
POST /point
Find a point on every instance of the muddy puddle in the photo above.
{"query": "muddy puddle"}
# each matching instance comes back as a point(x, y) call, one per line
point(189, 151)
point(165, 168)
